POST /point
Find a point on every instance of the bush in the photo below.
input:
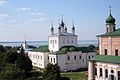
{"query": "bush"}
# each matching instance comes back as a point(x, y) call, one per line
point(72, 49)
point(65, 49)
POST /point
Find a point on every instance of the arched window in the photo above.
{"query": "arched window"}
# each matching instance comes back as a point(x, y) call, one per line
point(106, 73)
point(95, 71)
point(118, 75)
point(112, 71)
point(68, 57)
point(100, 72)
point(105, 51)
point(74, 57)
point(54, 60)
point(116, 52)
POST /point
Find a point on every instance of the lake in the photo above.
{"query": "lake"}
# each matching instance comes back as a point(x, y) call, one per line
point(40, 43)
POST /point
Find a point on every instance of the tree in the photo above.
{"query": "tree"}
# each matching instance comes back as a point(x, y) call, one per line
point(10, 72)
point(2, 49)
point(52, 72)
point(24, 63)
point(11, 56)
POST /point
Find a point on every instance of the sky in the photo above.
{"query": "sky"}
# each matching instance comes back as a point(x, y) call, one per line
point(31, 19)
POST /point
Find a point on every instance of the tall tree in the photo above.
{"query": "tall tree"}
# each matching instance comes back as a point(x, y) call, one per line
point(52, 72)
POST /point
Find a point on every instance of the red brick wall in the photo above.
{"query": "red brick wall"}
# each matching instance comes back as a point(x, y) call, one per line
point(104, 44)
point(115, 44)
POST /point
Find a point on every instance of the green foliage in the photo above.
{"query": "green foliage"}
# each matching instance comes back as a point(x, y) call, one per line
point(52, 72)
point(65, 49)
point(61, 52)
point(14, 66)
point(10, 72)
point(72, 49)
point(24, 63)
point(68, 48)
point(11, 56)
point(90, 48)
point(2, 49)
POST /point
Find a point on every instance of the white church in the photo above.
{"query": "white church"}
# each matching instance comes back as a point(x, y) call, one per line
point(68, 60)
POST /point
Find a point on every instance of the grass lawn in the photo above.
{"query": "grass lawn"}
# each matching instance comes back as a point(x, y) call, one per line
point(76, 75)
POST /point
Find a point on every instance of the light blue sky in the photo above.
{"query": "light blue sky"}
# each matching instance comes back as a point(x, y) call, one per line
point(33, 17)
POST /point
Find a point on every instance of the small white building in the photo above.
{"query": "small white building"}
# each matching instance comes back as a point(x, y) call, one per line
point(68, 60)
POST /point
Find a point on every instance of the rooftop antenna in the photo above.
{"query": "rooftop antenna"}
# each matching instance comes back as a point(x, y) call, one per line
point(51, 23)
point(62, 17)
point(110, 9)
point(73, 22)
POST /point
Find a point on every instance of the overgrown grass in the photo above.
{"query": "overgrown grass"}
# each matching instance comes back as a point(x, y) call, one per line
point(76, 75)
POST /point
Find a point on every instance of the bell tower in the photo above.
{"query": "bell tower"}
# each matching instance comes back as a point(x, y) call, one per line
point(110, 23)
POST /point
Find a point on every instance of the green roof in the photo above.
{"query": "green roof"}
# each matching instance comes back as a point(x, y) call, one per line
point(115, 33)
point(106, 58)
point(41, 49)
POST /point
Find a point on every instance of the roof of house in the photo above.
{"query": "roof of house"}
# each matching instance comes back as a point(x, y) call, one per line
point(41, 49)
point(106, 58)
point(115, 33)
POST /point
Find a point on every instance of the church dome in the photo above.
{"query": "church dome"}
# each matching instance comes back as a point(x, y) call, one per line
point(110, 19)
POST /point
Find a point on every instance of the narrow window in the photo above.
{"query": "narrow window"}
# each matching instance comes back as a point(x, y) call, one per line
point(74, 57)
point(83, 60)
point(41, 57)
point(89, 57)
point(54, 60)
point(118, 75)
point(105, 51)
point(68, 57)
point(51, 59)
point(100, 72)
point(48, 58)
point(116, 52)
point(95, 71)
point(106, 73)
point(79, 57)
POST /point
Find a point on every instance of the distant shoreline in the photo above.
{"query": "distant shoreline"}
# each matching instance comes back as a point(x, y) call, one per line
point(40, 43)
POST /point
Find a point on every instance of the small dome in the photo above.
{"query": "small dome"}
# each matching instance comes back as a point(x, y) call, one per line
point(62, 23)
point(110, 19)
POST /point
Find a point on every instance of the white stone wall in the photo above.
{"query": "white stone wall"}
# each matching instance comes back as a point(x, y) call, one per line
point(76, 60)
point(53, 43)
point(58, 41)
point(38, 59)
point(70, 40)
point(109, 67)
point(81, 60)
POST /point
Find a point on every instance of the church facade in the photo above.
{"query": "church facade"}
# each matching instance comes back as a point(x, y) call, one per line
point(106, 65)
point(57, 42)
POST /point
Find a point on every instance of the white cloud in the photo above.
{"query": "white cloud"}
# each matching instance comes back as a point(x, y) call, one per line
point(24, 9)
point(3, 16)
point(35, 20)
point(37, 13)
point(3, 2)
point(12, 21)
